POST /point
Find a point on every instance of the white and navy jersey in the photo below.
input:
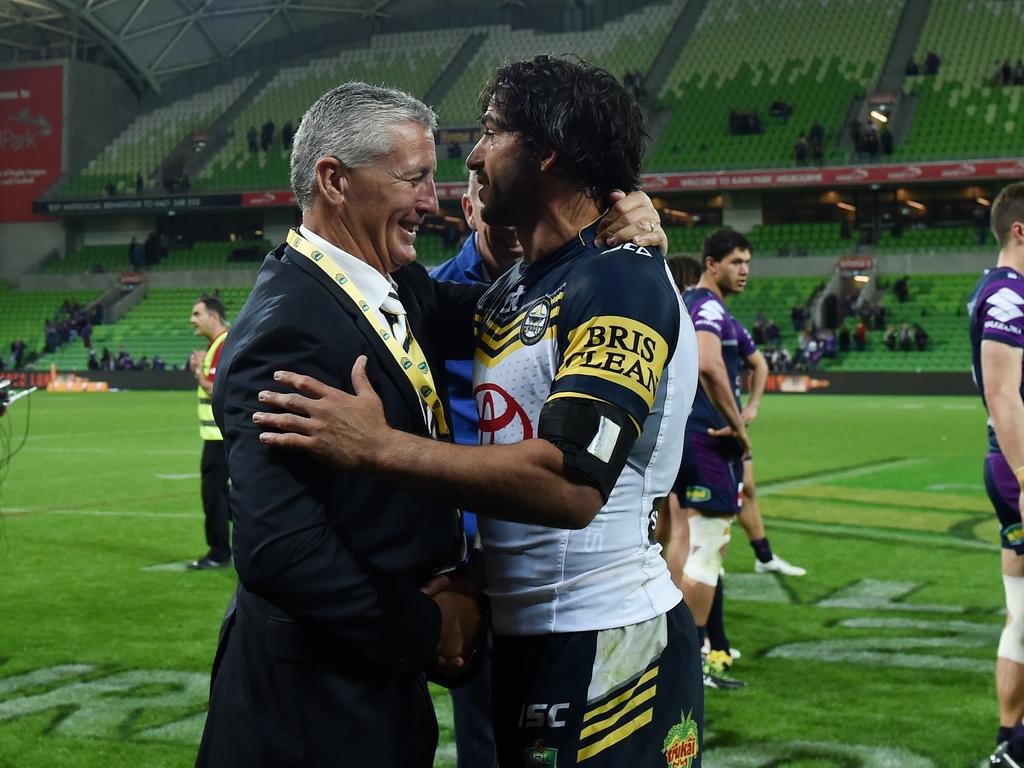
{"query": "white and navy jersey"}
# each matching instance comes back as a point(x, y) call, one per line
point(996, 312)
point(709, 313)
point(605, 326)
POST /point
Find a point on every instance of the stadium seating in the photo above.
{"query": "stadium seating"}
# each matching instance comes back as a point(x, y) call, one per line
point(774, 297)
point(410, 61)
point(936, 302)
point(964, 111)
point(158, 325)
point(149, 139)
point(934, 240)
point(204, 254)
point(628, 44)
point(23, 315)
point(815, 61)
point(810, 239)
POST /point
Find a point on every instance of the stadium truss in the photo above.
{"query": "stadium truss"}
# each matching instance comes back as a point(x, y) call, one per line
point(150, 41)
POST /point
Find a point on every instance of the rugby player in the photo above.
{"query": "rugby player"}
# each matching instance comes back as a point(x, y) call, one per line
point(585, 369)
point(997, 346)
point(716, 441)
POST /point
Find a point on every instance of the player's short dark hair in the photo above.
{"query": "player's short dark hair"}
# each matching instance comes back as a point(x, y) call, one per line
point(578, 110)
point(685, 270)
point(214, 304)
point(1007, 208)
point(721, 243)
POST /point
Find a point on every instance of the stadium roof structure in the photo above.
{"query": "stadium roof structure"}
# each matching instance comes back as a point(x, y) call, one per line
point(151, 41)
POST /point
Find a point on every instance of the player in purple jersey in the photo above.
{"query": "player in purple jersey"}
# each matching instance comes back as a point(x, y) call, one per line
point(716, 441)
point(997, 347)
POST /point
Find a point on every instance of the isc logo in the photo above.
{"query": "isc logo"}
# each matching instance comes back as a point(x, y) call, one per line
point(539, 715)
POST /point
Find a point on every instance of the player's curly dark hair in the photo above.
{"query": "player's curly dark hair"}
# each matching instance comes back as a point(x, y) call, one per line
point(578, 110)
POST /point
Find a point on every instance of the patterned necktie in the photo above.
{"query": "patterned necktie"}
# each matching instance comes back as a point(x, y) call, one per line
point(395, 314)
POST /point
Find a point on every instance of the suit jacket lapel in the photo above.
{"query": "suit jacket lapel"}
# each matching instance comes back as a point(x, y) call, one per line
point(383, 355)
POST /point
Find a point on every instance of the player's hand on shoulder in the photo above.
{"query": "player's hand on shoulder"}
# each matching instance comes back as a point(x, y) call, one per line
point(345, 430)
point(631, 217)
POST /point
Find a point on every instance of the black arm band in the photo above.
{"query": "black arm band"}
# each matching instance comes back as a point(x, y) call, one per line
point(595, 438)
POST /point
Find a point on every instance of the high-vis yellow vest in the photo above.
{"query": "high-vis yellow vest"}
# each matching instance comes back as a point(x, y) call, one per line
point(208, 429)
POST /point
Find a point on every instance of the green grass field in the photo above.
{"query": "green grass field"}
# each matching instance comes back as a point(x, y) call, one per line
point(881, 656)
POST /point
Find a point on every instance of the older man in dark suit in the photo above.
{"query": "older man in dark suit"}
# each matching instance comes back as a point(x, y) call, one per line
point(322, 656)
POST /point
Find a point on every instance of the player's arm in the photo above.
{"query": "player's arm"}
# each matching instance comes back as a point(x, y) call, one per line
point(1001, 372)
point(526, 482)
point(714, 379)
point(758, 380)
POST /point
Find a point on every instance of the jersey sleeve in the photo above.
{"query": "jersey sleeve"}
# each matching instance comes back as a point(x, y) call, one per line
point(617, 329)
point(744, 341)
point(708, 314)
point(1002, 315)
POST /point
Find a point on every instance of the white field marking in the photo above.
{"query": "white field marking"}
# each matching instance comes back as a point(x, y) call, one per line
point(41, 677)
point(960, 406)
point(104, 708)
point(913, 537)
point(108, 432)
point(877, 595)
point(25, 511)
point(755, 588)
point(181, 476)
point(176, 566)
point(911, 406)
point(767, 489)
point(955, 487)
point(763, 755)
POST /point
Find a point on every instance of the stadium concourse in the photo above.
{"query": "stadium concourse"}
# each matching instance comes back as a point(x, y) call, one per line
point(858, 145)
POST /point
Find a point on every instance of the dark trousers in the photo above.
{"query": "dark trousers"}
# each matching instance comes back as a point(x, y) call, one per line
point(214, 468)
point(471, 710)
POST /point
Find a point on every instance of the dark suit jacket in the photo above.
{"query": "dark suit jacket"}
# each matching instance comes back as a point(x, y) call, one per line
point(321, 659)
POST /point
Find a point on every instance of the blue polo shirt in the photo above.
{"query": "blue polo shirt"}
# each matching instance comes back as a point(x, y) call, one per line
point(465, 267)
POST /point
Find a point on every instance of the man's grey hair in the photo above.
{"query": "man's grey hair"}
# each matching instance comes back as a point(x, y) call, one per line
point(352, 123)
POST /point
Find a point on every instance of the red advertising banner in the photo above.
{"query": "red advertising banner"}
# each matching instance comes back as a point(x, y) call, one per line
point(707, 181)
point(31, 114)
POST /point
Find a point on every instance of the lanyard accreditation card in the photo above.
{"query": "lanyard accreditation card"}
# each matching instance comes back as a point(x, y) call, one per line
point(413, 363)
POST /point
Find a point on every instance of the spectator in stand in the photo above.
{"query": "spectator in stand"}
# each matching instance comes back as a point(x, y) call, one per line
point(901, 289)
point(980, 216)
point(1007, 72)
point(890, 337)
point(757, 332)
point(798, 316)
point(159, 364)
point(828, 344)
point(771, 333)
point(253, 138)
point(906, 338)
point(817, 150)
point(886, 138)
point(1018, 73)
point(140, 183)
point(931, 63)
point(844, 337)
point(920, 338)
point(870, 137)
point(267, 135)
point(856, 134)
point(860, 335)
point(287, 135)
point(911, 68)
point(92, 364)
point(106, 361)
point(800, 150)
point(17, 353)
point(51, 339)
point(110, 189)
point(124, 360)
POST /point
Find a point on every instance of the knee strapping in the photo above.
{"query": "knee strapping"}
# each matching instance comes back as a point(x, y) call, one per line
point(707, 537)
point(1011, 642)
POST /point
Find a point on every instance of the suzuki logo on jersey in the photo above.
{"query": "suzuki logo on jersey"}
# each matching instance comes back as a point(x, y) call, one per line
point(1004, 305)
point(500, 413)
point(539, 715)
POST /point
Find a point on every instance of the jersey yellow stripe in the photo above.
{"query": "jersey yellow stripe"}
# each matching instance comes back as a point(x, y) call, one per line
point(602, 725)
point(645, 678)
point(489, 358)
point(616, 736)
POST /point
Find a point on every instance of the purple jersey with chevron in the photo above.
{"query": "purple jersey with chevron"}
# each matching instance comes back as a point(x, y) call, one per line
point(710, 314)
point(996, 312)
point(744, 341)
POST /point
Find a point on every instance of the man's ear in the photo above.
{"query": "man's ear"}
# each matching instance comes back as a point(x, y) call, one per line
point(467, 211)
point(548, 157)
point(331, 180)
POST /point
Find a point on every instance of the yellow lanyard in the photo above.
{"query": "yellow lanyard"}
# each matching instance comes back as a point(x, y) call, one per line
point(413, 363)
